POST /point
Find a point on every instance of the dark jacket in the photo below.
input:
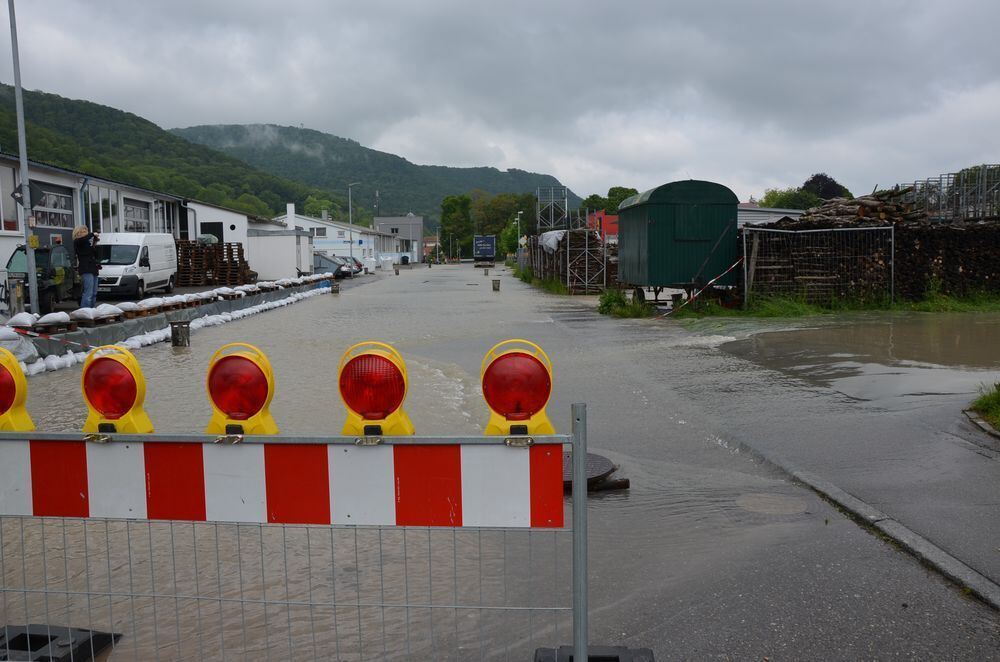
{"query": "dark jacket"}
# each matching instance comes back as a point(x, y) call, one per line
point(86, 254)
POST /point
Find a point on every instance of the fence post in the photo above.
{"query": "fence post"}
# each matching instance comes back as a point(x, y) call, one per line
point(580, 630)
point(746, 285)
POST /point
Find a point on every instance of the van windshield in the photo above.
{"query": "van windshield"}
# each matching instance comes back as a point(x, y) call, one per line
point(18, 262)
point(116, 253)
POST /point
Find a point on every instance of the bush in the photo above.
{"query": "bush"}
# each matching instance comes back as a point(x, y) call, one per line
point(611, 299)
point(987, 405)
point(614, 303)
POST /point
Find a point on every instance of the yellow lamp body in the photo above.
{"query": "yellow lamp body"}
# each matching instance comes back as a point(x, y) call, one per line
point(539, 422)
point(397, 423)
point(135, 420)
point(16, 418)
point(261, 422)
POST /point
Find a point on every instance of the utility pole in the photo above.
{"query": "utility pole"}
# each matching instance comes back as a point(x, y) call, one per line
point(350, 223)
point(22, 145)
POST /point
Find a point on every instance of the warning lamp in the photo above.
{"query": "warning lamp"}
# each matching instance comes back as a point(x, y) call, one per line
point(240, 385)
point(114, 390)
point(372, 379)
point(517, 382)
point(13, 393)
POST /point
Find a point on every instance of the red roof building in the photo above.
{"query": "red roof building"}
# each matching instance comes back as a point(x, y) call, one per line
point(606, 224)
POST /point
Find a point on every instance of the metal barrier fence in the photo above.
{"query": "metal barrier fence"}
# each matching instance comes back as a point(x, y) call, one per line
point(182, 588)
point(819, 266)
point(971, 194)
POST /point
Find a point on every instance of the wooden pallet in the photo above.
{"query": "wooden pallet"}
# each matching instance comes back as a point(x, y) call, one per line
point(101, 321)
point(59, 327)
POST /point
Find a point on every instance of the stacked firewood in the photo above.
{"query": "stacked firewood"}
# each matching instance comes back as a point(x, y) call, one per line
point(955, 259)
point(880, 208)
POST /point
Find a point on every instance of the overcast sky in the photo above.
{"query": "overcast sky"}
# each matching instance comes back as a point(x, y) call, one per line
point(749, 94)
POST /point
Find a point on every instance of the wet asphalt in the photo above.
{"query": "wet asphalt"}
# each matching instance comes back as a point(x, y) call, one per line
point(710, 554)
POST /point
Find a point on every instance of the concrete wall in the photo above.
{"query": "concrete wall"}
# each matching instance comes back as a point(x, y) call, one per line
point(234, 224)
point(279, 253)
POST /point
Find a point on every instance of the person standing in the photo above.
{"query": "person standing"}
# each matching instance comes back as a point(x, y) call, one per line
point(86, 263)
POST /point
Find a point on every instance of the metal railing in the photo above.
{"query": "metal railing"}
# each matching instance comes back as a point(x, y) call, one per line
point(237, 590)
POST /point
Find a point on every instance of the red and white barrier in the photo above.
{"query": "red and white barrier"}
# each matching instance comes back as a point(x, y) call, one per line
point(394, 485)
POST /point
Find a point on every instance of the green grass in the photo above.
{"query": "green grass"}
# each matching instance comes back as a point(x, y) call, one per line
point(551, 286)
point(987, 405)
point(614, 303)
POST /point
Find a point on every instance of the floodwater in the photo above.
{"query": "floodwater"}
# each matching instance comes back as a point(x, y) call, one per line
point(710, 553)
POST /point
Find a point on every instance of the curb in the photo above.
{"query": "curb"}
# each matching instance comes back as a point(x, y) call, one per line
point(867, 515)
point(983, 424)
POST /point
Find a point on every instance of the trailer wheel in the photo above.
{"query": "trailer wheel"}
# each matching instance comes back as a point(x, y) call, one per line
point(638, 295)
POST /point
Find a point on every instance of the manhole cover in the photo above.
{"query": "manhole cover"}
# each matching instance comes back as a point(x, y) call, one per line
point(771, 504)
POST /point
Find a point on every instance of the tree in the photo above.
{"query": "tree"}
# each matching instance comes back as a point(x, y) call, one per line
point(824, 186)
point(789, 198)
point(594, 202)
point(314, 206)
point(508, 239)
point(616, 195)
point(456, 222)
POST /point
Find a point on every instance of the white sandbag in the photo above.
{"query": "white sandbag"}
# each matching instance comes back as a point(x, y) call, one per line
point(22, 319)
point(35, 367)
point(151, 302)
point(83, 314)
point(107, 310)
point(20, 346)
point(54, 318)
point(128, 306)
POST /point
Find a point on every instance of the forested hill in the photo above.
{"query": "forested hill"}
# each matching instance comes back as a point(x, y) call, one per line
point(327, 161)
point(106, 142)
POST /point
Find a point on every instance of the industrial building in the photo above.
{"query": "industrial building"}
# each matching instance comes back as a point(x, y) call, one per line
point(409, 230)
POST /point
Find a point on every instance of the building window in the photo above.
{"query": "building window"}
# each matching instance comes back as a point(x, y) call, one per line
point(136, 215)
point(164, 216)
point(320, 232)
point(341, 234)
point(394, 230)
point(55, 209)
point(7, 204)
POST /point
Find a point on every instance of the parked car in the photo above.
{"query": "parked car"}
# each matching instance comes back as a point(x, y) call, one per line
point(358, 266)
point(57, 279)
point(132, 263)
point(343, 269)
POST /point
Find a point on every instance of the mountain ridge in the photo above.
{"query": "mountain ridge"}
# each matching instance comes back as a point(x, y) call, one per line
point(332, 162)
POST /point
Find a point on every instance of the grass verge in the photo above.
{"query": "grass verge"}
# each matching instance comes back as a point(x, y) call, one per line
point(987, 405)
point(793, 307)
point(551, 286)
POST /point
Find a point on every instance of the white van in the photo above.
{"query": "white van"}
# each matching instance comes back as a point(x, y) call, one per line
point(132, 263)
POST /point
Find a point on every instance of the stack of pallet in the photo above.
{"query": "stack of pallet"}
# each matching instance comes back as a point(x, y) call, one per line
point(231, 267)
point(211, 264)
point(192, 268)
point(878, 209)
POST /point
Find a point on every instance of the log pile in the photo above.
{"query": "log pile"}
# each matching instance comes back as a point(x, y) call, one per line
point(878, 209)
point(957, 259)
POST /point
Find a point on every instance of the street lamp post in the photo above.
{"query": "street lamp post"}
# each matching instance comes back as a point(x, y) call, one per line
point(350, 224)
point(517, 245)
point(22, 146)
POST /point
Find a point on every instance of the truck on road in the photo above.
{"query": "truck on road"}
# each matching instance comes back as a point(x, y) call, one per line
point(484, 250)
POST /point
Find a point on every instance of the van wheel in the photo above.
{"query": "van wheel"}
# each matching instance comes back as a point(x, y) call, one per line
point(140, 291)
point(170, 285)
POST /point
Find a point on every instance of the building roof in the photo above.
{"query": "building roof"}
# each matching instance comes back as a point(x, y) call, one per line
point(363, 229)
point(687, 191)
point(41, 165)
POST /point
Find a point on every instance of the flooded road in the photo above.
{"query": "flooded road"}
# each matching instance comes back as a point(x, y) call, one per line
point(710, 553)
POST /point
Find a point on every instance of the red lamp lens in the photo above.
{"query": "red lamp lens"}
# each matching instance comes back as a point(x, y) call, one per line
point(237, 386)
point(7, 389)
point(516, 386)
point(110, 387)
point(372, 386)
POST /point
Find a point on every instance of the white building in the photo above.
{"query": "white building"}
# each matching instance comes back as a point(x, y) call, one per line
point(748, 213)
point(336, 238)
point(409, 230)
point(66, 198)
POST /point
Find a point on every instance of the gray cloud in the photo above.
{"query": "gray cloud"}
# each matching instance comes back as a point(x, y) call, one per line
point(599, 94)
